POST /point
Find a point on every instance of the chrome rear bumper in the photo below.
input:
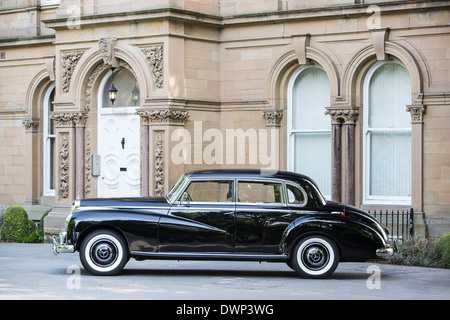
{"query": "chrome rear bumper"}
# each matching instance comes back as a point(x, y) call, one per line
point(60, 245)
point(385, 252)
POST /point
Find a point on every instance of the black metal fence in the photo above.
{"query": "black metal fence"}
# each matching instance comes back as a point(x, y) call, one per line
point(400, 224)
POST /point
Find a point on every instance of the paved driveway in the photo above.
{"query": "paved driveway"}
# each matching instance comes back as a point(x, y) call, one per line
point(31, 271)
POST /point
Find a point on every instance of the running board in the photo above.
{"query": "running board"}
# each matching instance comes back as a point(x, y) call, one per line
point(209, 256)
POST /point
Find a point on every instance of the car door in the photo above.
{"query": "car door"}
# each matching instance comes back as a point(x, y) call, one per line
point(261, 216)
point(202, 220)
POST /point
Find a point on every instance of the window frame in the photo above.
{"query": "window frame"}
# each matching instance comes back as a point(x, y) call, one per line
point(282, 190)
point(46, 137)
point(366, 141)
point(291, 133)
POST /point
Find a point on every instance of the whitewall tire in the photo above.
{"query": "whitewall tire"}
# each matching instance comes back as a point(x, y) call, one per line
point(315, 257)
point(104, 252)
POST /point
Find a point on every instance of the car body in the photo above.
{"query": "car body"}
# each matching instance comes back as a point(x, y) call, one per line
point(246, 215)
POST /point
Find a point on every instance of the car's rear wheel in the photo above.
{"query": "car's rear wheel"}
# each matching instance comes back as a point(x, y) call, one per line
point(104, 252)
point(315, 257)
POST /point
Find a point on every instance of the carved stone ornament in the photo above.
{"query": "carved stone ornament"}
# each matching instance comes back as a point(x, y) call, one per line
point(417, 112)
point(273, 118)
point(163, 117)
point(69, 119)
point(106, 48)
point(154, 55)
point(69, 62)
point(88, 166)
point(64, 167)
point(159, 166)
point(31, 125)
point(343, 115)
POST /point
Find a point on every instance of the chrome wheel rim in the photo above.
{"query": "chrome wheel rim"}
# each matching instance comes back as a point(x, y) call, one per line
point(315, 256)
point(103, 253)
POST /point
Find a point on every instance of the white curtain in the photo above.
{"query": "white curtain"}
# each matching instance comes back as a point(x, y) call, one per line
point(388, 134)
point(310, 133)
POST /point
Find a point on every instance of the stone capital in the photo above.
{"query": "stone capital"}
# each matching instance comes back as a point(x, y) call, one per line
point(273, 117)
point(163, 116)
point(31, 125)
point(417, 111)
point(343, 115)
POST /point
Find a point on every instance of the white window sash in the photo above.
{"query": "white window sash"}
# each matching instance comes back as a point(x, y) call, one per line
point(367, 134)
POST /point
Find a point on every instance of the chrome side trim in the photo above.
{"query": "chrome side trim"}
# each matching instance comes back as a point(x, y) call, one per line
point(210, 256)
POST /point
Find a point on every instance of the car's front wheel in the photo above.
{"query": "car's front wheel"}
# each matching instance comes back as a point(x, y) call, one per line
point(315, 257)
point(104, 252)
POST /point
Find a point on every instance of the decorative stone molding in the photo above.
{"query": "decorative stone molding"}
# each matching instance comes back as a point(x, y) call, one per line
point(170, 117)
point(80, 119)
point(31, 125)
point(379, 38)
point(92, 78)
point(300, 43)
point(154, 55)
point(344, 115)
point(417, 112)
point(64, 167)
point(69, 62)
point(106, 48)
point(88, 166)
point(273, 118)
point(69, 120)
point(159, 165)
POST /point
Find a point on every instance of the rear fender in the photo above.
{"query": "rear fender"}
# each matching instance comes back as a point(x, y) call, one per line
point(302, 228)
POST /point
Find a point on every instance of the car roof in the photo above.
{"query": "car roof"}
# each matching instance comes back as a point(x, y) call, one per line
point(248, 174)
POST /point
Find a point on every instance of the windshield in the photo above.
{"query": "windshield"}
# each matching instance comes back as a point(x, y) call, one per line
point(170, 196)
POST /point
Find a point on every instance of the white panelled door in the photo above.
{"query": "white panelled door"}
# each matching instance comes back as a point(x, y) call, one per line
point(119, 148)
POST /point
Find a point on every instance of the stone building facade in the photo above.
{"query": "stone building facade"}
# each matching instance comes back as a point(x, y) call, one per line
point(353, 93)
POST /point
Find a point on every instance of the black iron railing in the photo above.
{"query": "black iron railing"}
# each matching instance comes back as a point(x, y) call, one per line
point(400, 224)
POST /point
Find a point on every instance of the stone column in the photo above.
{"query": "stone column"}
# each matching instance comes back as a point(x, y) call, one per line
point(157, 126)
point(336, 180)
point(80, 121)
point(64, 159)
point(33, 161)
point(349, 124)
point(273, 123)
point(144, 153)
point(343, 115)
point(417, 111)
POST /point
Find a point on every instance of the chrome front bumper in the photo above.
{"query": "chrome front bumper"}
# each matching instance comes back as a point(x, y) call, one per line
point(385, 252)
point(60, 245)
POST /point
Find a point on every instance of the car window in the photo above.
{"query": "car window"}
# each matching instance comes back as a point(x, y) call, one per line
point(296, 195)
point(209, 191)
point(259, 192)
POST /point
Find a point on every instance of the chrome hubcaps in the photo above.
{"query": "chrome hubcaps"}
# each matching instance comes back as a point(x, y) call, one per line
point(103, 253)
point(315, 256)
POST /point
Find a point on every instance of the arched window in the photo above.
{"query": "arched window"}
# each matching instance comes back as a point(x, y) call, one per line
point(49, 143)
point(128, 94)
point(387, 134)
point(309, 129)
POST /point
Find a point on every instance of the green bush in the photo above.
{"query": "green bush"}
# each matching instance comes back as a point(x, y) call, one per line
point(16, 225)
point(443, 248)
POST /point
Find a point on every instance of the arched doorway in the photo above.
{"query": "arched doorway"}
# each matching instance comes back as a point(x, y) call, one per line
point(119, 136)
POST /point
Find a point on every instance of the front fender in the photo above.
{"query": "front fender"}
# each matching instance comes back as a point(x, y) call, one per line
point(140, 229)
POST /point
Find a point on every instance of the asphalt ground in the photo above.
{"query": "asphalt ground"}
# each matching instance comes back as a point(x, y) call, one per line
point(33, 272)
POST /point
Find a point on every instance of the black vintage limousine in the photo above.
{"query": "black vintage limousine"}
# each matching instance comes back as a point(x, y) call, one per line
point(246, 215)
